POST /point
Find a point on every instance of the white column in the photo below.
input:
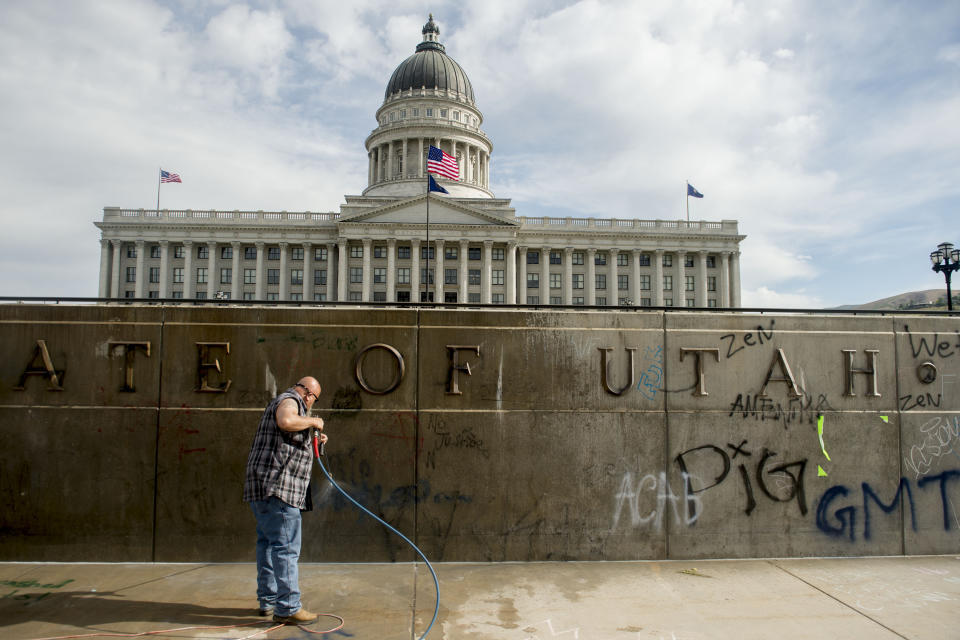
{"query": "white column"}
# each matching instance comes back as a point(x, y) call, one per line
point(522, 291)
point(679, 282)
point(701, 298)
point(635, 278)
point(724, 300)
point(367, 285)
point(213, 278)
point(104, 287)
point(545, 277)
point(390, 160)
point(138, 285)
point(261, 276)
point(236, 279)
point(735, 280)
point(405, 162)
point(453, 152)
point(591, 277)
point(164, 269)
point(658, 278)
point(115, 267)
point(415, 287)
point(370, 168)
point(307, 289)
point(392, 270)
point(330, 290)
point(568, 272)
point(341, 269)
point(511, 274)
point(487, 279)
point(189, 277)
point(420, 159)
point(284, 271)
point(612, 292)
point(438, 271)
point(463, 294)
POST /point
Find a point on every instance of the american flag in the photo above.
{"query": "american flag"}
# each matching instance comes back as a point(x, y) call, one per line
point(442, 163)
point(167, 176)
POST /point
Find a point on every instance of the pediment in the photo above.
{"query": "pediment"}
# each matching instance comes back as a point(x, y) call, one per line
point(413, 211)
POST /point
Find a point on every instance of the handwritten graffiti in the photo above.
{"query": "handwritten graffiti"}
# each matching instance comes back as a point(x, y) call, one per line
point(922, 400)
point(841, 521)
point(652, 376)
point(804, 409)
point(444, 438)
point(29, 598)
point(940, 437)
point(631, 491)
point(748, 339)
point(941, 346)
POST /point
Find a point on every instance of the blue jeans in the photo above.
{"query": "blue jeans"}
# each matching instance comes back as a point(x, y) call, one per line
point(278, 550)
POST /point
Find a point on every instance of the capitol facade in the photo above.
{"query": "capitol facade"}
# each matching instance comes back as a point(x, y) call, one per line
point(380, 248)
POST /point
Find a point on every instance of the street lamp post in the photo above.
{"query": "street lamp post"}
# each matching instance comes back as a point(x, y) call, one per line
point(947, 260)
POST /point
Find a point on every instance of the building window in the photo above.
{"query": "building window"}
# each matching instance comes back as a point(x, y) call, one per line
point(249, 253)
point(131, 251)
point(644, 302)
point(155, 251)
point(601, 281)
point(449, 276)
point(178, 251)
point(668, 260)
point(497, 275)
point(668, 302)
point(403, 296)
point(273, 253)
point(320, 255)
point(643, 260)
point(498, 253)
point(443, 113)
point(622, 260)
point(226, 276)
point(203, 252)
point(403, 275)
point(556, 280)
point(356, 275)
point(473, 276)
point(296, 253)
point(533, 257)
point(156, 294)
point(556, 300)
point(226, 253)
point(273, 276)
point(249, 276)
point(711, 283)
point(450, 253)
point(356, 296)
point(690, 283)
point(393, 116)
point(533, 281)
point(533, 299)
point(178, 275)
point(200, 295)
point(577, 257)
point(578, 300)
point(712, 303)
point(456, 116)
point(427, 252)
point(711, 262)
point(690, 302)
point(296, 276)
point(497, 298)
point(623, 282)
point(403, 253)
point(623, 302)
point(403, 113)
point(429, 112)
point(578, 281)
point(296, 297)
point(273, 296)
point(177, 295)
point(379, 296)
point(424, 277)
point(320, 276)
point(356, 251)
point(248, 295)
point(131, 274)
point(415, 112)
point(688, 261)
point(601, 301)
point(380, 275)
point(556, 257)
point(600, 259)
point(201, 275)
point(380, 252)
point(668, 283)
point(474, 298)
point(154, 274)
point(473, 253)
point(449, 296)
point(645, 283)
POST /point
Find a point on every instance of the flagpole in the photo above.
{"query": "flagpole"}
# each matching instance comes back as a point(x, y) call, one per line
point(427, 283)
point(159, 171)
point(688, 201)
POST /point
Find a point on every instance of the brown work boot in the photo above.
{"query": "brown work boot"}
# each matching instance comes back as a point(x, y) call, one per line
point(300, 617)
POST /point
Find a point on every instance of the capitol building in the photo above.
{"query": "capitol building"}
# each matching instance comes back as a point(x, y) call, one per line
point(380, 247)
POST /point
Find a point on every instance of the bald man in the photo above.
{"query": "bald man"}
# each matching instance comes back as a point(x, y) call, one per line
point(277, 488)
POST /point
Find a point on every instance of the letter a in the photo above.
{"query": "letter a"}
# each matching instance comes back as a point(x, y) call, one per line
point(45, 369)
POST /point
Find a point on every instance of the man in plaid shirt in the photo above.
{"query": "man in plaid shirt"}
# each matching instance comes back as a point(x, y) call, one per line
point(277, 488)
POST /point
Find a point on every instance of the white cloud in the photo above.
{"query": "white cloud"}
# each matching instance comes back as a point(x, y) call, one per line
point(950, 53)
point(763, 297)
point(255, 42)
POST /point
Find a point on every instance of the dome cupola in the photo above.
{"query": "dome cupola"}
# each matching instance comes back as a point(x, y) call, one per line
point(430, 68)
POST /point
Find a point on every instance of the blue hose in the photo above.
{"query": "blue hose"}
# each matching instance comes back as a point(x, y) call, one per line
point(436, 583)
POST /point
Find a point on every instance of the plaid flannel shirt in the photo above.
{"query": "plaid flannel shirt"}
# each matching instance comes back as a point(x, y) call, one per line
point(280, 462)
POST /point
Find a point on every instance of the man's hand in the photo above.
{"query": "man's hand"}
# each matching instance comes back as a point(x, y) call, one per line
point(289, 419)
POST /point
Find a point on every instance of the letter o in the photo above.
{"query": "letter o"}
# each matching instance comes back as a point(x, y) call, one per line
point(397, 378)
point(927, 372)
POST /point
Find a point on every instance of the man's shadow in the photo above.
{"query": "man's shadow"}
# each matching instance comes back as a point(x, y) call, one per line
point(94, 610)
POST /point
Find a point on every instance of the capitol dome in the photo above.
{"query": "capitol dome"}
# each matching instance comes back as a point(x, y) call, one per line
point(430, 68)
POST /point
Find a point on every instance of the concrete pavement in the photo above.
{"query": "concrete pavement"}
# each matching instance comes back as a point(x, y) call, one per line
point(878, 598)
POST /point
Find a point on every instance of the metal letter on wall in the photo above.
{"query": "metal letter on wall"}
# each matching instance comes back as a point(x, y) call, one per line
point(397, 377)
point(204, 367)
point(701, 388)
point(604, 370)
point(787, 376)
point(453, 381)
point(848, 372)
point(128, 350)
point(45, 370)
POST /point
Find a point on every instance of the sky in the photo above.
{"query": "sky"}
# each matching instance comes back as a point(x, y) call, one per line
point(829, 130)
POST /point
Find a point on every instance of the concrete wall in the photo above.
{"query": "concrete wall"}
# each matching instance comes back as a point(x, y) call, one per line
point(539, 457)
